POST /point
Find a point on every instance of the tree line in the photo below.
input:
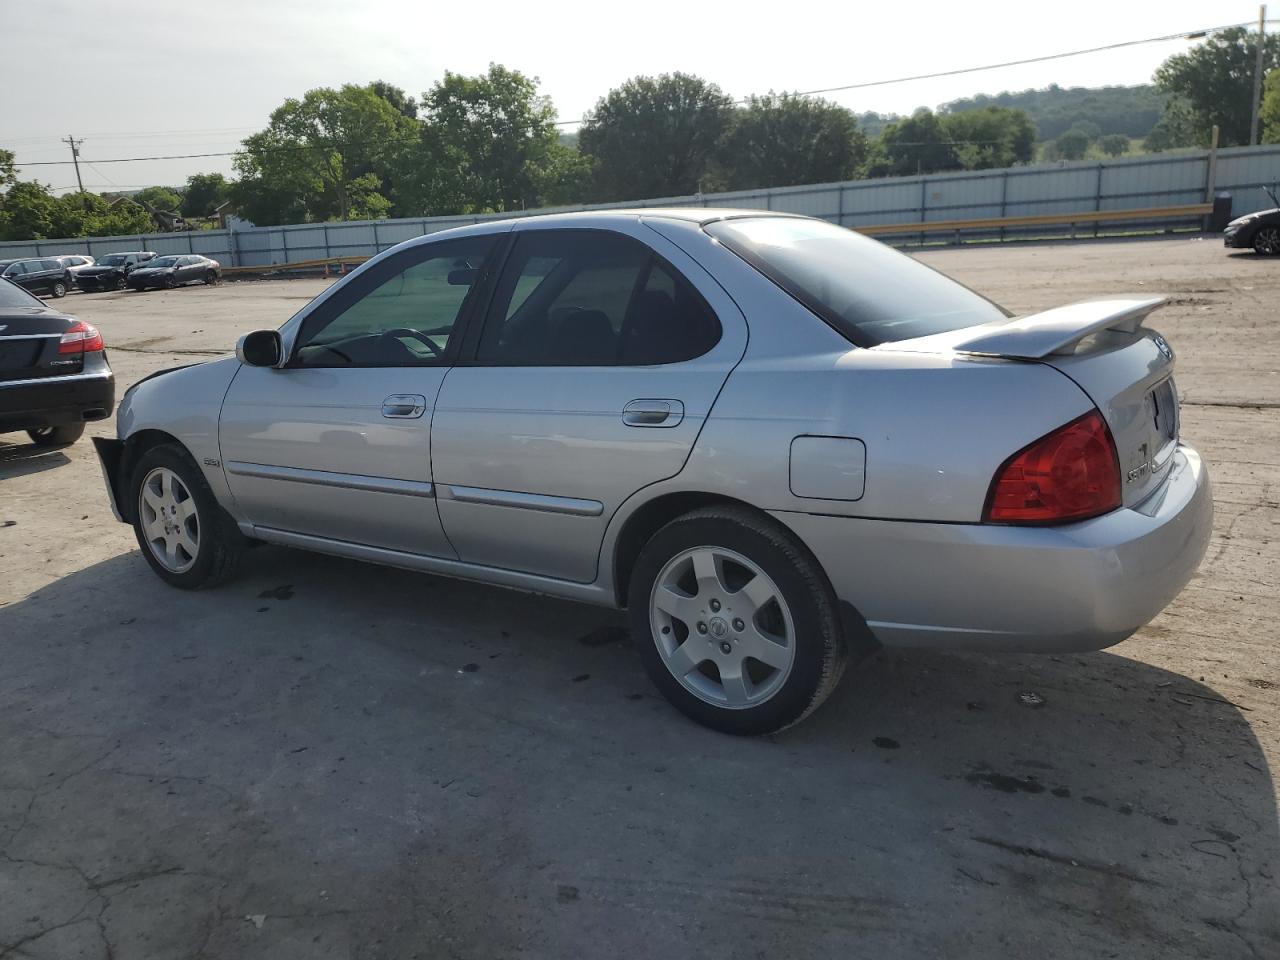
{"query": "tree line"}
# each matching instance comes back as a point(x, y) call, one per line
point(491, 143)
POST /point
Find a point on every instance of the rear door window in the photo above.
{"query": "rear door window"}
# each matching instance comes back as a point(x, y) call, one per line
point(592, 298)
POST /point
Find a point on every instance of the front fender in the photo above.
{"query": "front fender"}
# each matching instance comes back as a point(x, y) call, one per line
point(184, 403)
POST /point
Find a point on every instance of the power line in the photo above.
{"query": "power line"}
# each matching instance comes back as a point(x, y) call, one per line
point(1183, 35)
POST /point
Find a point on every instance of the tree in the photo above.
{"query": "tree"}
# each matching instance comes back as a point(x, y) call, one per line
point(654, 136)
point(1088, 128)
point(492, 137)
point(918, 144)
point(1176, 128)
point(267, 202)
point(399, 100)
point(781, 140)
point(28, 211)
point(990, 137)
point(323, 148)
point(8, 171)
point(1215, 80)
point(1270, 115)
point(1114, 144)
point(161, 198)
point(205, 191)
point(1072, 145)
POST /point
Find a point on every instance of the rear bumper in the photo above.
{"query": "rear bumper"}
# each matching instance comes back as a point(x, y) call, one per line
point(1081, 586)
point(57, 401)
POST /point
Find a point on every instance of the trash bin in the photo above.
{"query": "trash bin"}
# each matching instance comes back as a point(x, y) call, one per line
point(1221, 214)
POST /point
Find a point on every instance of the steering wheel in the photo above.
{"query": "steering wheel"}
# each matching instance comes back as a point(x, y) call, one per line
point(418, 335)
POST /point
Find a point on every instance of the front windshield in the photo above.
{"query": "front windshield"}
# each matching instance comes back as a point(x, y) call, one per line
point(865, 289)
point(114, 260)
point(163, 262)
point(12, 295)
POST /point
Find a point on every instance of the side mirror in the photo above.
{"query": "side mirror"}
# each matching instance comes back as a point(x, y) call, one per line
point(262, 348)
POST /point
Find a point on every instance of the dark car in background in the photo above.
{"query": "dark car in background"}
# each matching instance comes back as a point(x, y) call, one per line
point(112, 271)
point(173, 271)
point(41, 276)
point(54, 375)
point(1259, 231)
point(75, 262)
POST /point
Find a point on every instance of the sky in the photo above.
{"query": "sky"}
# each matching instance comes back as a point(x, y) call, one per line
point(196, 78)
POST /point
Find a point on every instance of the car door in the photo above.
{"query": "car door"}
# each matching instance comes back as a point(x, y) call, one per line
point(190, 269)
point(598, 363)
point(335, 444)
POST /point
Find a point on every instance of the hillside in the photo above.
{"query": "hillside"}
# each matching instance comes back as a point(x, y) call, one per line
point(1131, 111)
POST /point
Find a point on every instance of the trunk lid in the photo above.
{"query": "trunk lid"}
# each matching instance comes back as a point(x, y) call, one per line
point(29, 339)
point(1125, 368)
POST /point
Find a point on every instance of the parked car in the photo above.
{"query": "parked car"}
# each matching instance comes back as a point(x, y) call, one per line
point(75, 262)
point(1259, 231)
point(45, 275)
point(54, 375)
point(175, 271)
point(776, 442)
point(112, 271)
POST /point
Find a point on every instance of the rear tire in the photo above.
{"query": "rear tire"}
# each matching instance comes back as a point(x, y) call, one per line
point(210, 278)
point(185, 535)
point(1266, 241)
point(56, 436)
point(121, 283)
point(712, 589)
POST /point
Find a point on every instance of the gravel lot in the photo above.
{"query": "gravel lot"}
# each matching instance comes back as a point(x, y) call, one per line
point(325, 759)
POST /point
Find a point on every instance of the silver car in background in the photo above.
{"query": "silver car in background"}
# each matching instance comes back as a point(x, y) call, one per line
point(776, 443)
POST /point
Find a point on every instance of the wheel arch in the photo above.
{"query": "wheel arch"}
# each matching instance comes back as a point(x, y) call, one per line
point(648, 519)
point(135, 445)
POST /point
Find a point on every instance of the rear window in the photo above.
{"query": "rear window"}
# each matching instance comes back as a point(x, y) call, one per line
point(12, 295)
point(866, 290)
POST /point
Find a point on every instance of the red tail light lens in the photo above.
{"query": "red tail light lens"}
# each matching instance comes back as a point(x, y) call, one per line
point(81, 337)
point(1071, 474)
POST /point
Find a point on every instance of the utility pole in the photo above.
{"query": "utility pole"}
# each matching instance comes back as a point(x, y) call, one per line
point(74, 144)
point(1257, 73)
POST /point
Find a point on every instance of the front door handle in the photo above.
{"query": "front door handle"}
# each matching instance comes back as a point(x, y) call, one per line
point(404, 406)
point(653, 413)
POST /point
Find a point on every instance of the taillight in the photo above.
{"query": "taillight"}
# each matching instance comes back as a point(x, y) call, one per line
point(80, 337)
point(1071, 474)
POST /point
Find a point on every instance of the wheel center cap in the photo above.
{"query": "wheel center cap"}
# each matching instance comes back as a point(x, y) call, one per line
point(718, 628)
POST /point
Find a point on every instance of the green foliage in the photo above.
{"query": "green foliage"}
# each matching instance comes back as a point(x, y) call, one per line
point(399, 100)
point(1177, 128)
point(322, 150)
point(872, 124)
point(1131, 111)
point(28, 211)
point(204, 192)
point(161, 198)
point(1214, 80)
point(1114, 144)
point(654, 136)
point(1072, 145)
point(782, 140)
point(496, 136)
point(918, 144)
point(268, 202)
point(8, 172)
point(1270, 115)
point(990, 137)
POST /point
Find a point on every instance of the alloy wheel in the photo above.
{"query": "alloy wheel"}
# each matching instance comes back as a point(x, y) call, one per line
point(722, 627)
point(169, 519)
point(1267, 240)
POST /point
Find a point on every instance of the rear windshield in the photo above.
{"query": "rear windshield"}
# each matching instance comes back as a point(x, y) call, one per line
point(868, 291)
point(12, 295)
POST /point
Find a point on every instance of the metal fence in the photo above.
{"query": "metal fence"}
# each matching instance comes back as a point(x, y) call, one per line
point(1152, 181)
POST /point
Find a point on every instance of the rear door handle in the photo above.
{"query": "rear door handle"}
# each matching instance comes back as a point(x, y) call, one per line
point(653, 413)
point(404, 406)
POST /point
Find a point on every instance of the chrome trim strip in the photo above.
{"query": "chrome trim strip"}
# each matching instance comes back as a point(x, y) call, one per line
point(497, 576)
point(346, 481)
point(66, 378)
point(523, 501)
point(31, 336)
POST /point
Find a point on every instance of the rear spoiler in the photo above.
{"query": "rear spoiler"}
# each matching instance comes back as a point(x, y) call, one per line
point(1057, 331)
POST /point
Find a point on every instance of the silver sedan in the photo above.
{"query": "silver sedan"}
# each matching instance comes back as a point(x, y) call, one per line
point(776, 443)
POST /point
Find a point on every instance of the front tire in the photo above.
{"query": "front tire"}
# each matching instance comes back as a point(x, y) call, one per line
point(735, 622)
point(59, 290)
point(1267, 241)
point(121, 283)
point(184, 534)
point(56, 436)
